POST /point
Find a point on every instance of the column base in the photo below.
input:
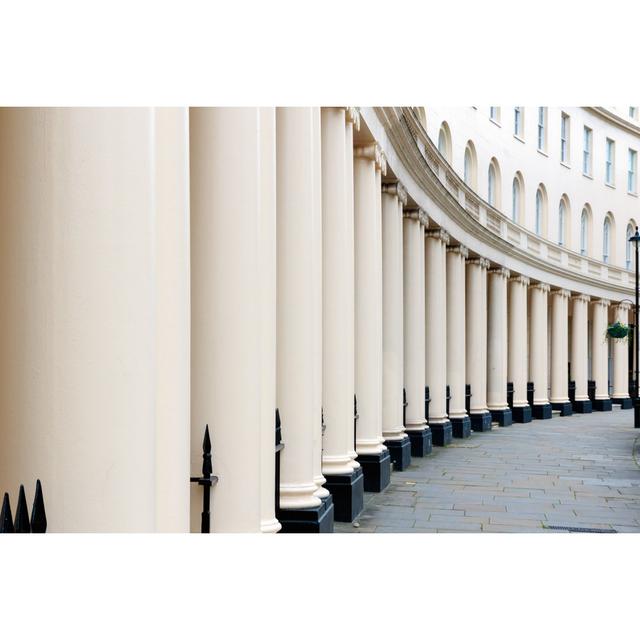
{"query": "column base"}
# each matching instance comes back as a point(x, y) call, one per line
point(441, 433)
point(400, 452)
point(503, 417)
point(541, 411)
point(625, 403)
point(313, 520)
point(521, 414)
point(347, 492)
point(377, 470)
point(421, 444)
point(461, 427)
point(602, 404)
point(481, 421)
point(564, 408)
point(582, 406)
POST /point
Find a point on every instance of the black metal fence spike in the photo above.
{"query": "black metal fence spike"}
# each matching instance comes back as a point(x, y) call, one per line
point(207, 467)
point(38, 514)
point(6, 519)
point(21, 523)
point(278, 428)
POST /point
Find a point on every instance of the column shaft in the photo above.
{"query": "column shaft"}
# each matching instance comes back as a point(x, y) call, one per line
point(620, 393)
point(600, 354)
point(436, 334)
point(560, 351)
point(538, 349)
point(460, 421)
point(580, 352)
point(517, 346)
point(497, 347)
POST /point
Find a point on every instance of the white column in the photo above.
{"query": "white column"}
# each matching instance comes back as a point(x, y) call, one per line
point(368, 303)
point(394, 197)
point(600, 354)
point(436, 241)
point(517, 346)
point(476, 338)
point(560, 351)
point(580, 352)
point(233, 284)
point(414, 223)
point(337, 300)
point(538, 349)
point(620, 393)
point(298, 387)
point(497, 337)
point(456, 365)
point(94, 248)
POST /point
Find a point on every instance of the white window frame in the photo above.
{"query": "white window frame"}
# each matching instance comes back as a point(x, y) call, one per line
point(562, 214)
point(542, 128)
point(606, 240)
point(494, 114)
point(492, 179)
point(610, 162)
point(584, 232)
point(515, 199)
point(565, 138)
point(518, 114)
point(633, 113)
point(628, 254)
point(632, 171)
point(587, 141)
point(538, 219)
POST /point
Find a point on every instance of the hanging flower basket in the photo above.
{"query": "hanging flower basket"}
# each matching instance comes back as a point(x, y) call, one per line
point(618, 331)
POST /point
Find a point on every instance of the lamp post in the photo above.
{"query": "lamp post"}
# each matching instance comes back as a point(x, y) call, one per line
point(636, 341)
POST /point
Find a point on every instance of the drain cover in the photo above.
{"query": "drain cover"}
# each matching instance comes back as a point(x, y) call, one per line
point(579, 529)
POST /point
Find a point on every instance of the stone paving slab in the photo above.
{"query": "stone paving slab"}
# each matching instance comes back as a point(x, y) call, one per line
point(576, 471)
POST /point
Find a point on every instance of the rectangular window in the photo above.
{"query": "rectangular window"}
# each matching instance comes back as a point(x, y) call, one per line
point(564, 138)
point(586, 153)
point(633, 112)
point(609, 161)
point(517, 123)
point(542, 126)
point(494, 113)
point(631, 171)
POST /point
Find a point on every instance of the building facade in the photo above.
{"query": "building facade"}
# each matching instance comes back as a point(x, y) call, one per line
point(360, 283)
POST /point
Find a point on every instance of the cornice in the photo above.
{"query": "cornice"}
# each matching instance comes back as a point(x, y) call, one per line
point(614, 118)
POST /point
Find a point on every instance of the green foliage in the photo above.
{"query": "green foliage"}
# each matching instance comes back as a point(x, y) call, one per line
point(618, 331)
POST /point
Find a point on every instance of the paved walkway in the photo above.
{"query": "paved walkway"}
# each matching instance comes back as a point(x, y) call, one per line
point(578, 471)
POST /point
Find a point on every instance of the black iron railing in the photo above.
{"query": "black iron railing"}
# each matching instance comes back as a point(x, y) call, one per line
point(206, 481)
point(427, 402)
point(591, 390)
point(448, 398)
point(530, 393)
point(22, 523)
point(279, 448)
point(355, 419)
point(572, 391)
point(404, 407)
point(510, 394)
point(467, 398)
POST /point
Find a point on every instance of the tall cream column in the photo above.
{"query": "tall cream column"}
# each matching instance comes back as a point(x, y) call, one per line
point(538, 350)
point(476, 338)
point(93, 252)
point(560, 352)
point(497, 337)
point(580, 352)
point(600, 354)
point(298, 385)
point(414, 223)
point(435, 243)
point(517, 347)
point(396, 440)
point(373, 455)
point(344, 475)
point(620, 393)
point(460, 421)
point(233, 284)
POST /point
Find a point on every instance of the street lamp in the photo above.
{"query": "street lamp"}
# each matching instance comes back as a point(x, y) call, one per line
point(636, 341)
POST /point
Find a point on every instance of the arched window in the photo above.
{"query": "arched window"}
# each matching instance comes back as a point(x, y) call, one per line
point(541, 211)
point(584, 232)
point(630, 232)
point(515, 200)
point(493, 184)
point(470, 165)
point(606, 240)
point(444, 141)
point(562, 212)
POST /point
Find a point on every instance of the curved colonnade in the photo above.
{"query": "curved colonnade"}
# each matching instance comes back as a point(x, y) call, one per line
point(173, 267)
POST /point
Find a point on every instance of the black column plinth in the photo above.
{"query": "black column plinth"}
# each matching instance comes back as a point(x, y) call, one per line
point(582, 406)
point(602, 404)
point(503, 417)
point(347, 491)
point(421, 444)
point(521, 414)
point(377, 470)
point(441, 433)
point(541, 411)
point(461, 427)
point(314, 520)
point(400, 452)
point(481, 421)
point(625, 403)
point(565, 408)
